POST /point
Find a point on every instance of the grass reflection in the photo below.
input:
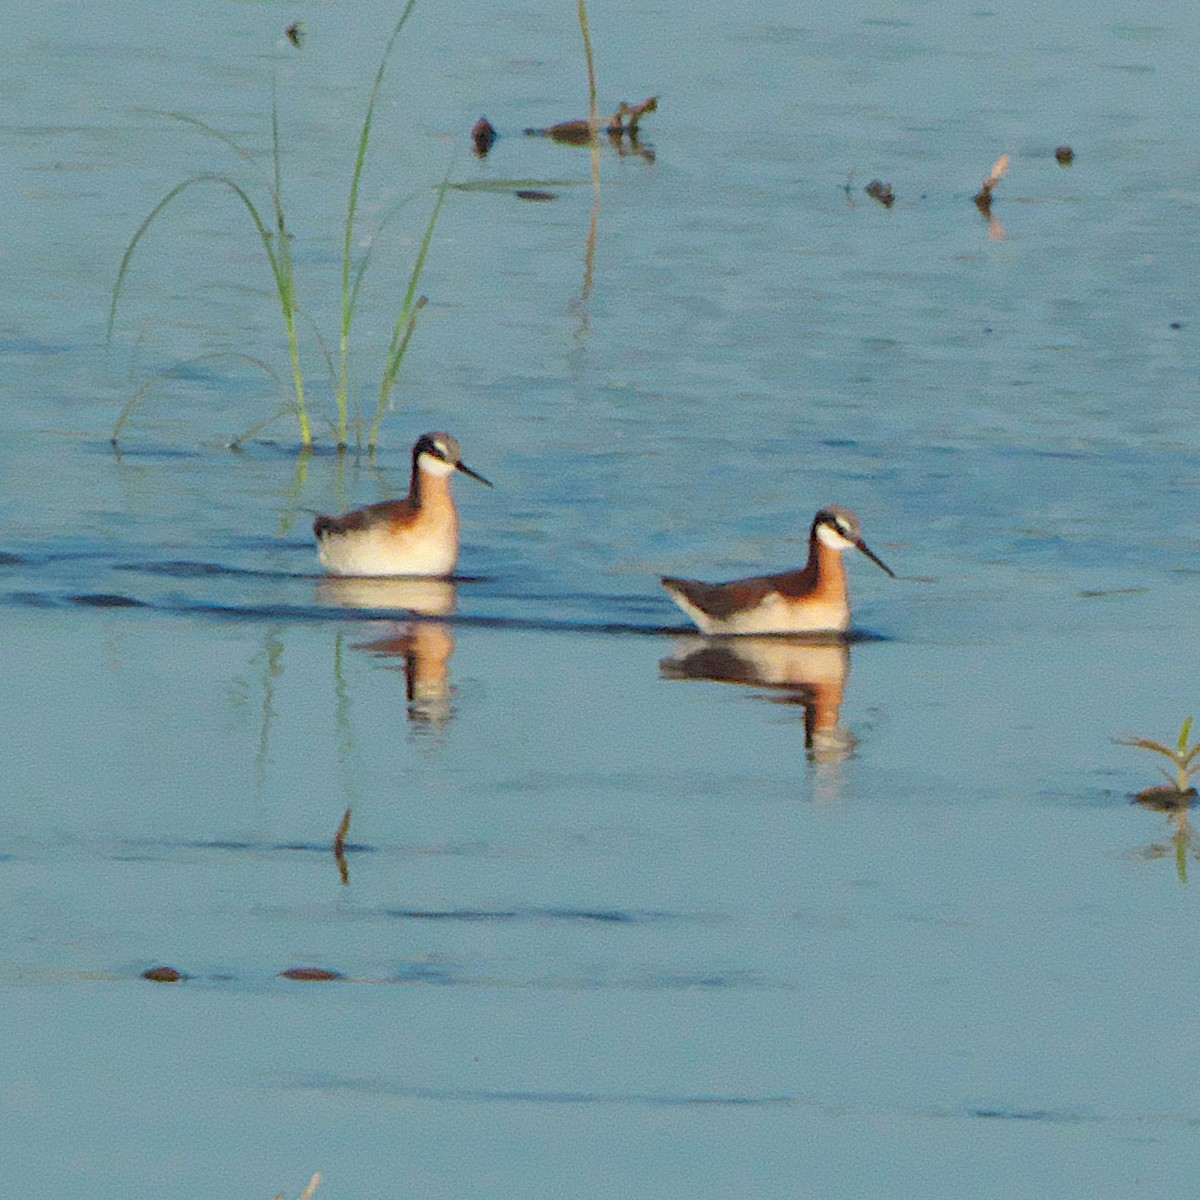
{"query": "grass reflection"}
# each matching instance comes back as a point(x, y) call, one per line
point(270, 658)
point(1183, 842)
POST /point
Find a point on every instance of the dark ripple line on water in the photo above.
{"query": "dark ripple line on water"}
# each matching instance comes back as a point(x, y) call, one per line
point(190, 569)
point(317, 613)
point(1051, 1115)
point(28, 345)
point(162, 850)
point(380, 1087)
point(454, 974)
point(591, 916)
point(106, 600)
point(142, 852)
point(533, 624)
point(256, 450)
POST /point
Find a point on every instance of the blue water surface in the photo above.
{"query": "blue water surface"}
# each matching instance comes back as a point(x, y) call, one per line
point(620, 913)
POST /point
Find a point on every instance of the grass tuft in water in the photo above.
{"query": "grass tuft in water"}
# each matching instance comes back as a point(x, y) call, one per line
point(273, 232)
point(1182, 757)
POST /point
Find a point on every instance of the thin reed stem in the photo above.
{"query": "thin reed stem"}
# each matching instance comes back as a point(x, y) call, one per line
point(593, 107)
point(286, 280)
point(350, 291)
point(406, 322)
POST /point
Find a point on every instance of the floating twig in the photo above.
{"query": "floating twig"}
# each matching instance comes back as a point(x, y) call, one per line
point(339, 847)
point(625, 121)
point(983, 197)
point(635, 112)
point(310, 1191)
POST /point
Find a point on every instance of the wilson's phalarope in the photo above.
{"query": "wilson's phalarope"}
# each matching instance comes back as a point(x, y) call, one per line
point(814, 599)
point(414, 536)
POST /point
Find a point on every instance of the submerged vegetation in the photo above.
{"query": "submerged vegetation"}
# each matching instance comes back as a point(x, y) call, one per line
point(270, 224)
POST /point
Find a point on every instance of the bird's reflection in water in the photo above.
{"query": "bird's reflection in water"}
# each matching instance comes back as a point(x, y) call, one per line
point(805, 671)
point(423, 644)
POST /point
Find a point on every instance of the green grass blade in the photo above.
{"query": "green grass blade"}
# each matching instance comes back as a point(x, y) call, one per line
point(280, 268)
point(257, 428)
point(395, 358)
point(224, 181)
point(349, 294)
point(514, 185)
point(407, 320)
point(1184, 734)
point(322, 345)
point(171, 372)
point(221, 136)
point(285, 277)
point(419, 266)
point(360, 273)
point(139, 233)
point(360, 268)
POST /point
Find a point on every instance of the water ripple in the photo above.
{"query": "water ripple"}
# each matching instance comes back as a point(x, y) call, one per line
point(383, 1087)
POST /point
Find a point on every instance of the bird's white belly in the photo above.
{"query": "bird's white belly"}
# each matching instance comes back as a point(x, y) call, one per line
point(773, 615)
point(376, 552)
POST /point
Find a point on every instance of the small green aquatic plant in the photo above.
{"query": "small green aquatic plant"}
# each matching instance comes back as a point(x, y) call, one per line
point(276, 237)
point(1182, 756)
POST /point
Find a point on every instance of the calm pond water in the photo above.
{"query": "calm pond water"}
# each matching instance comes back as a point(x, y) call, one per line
point(626, 914)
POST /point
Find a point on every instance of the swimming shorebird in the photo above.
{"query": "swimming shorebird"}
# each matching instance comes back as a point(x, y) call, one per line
point(414, 536)
point(814, 599)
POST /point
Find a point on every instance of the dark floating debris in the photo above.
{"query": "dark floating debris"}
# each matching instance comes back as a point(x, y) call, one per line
point(296, 33)
point(1174, 325)
point(533, 194)
point(311, 975)
point(483, 135)
point(1064, 156)
point(878, 190)
point(623, 123)
point(163, 975)
point(1165, 797)
point(573, 133)
point(983, 197)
